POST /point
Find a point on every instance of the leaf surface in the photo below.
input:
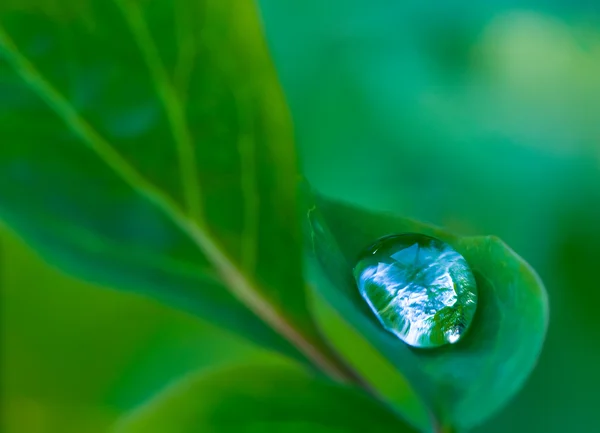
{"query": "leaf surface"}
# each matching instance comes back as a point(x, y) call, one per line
point(251, 399)
point(379, 375)
point(147, 146)
point(463, 383)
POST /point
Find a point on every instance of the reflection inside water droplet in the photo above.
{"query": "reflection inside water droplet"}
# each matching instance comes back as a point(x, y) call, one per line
point(419, 287)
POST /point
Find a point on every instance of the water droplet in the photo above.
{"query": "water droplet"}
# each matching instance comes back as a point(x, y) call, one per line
point(419, 288)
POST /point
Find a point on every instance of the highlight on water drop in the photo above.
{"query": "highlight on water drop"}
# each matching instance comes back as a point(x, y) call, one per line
point(419, 288)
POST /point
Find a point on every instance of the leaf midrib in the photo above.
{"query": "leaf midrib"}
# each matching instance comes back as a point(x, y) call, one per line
point(239, 285)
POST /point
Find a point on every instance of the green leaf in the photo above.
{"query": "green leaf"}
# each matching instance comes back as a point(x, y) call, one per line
point(379, 375)
point(463, 383)
point(147, 146)
point(253, 399)
point(54, 330)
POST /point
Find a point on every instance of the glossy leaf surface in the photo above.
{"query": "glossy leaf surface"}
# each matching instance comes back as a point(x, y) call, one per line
point(463, 383)
point(380, 376)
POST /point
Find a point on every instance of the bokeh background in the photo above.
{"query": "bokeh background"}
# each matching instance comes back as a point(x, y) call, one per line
point(482, 117)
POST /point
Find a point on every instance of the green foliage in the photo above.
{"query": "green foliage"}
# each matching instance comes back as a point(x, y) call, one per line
point(253, 399)
point(146, 146)
point(463, 383)
point(380, 376)
point(482, 118)
point(171, 173)
point(75, 355)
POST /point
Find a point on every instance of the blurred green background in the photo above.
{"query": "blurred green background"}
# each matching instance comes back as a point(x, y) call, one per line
point(484, 118)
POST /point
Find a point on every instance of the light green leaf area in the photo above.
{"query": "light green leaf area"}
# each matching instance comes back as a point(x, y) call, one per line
point(269, 398)
point(146, 145)
point(463, 383)
point(379, 375)
point(75, 356)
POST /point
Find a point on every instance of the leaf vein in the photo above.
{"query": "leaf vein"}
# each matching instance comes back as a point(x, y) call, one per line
point(173, 107)
point(239, 285)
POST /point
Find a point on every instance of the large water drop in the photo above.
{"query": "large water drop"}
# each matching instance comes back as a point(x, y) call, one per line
point(419, 288)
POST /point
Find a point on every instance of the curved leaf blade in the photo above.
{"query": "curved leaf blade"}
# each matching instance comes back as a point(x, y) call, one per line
point(466, 382)
point(258, 399)
point(380, 377)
